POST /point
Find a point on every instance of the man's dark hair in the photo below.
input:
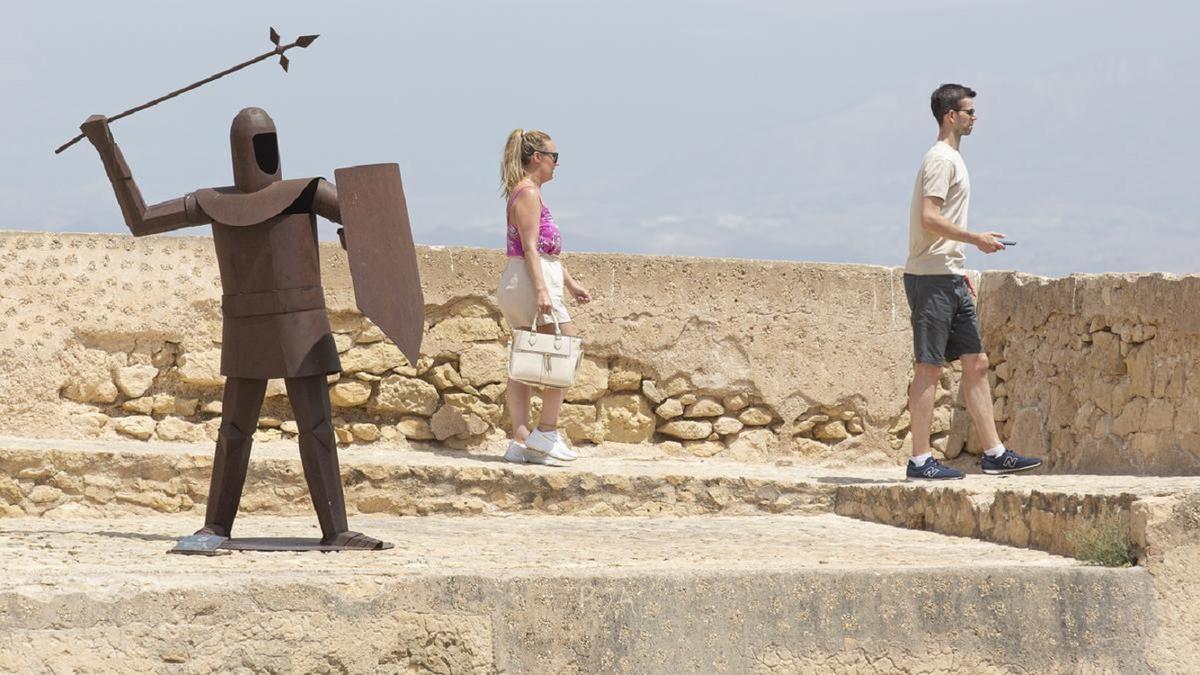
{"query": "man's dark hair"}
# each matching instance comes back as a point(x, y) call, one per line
point(946, 97)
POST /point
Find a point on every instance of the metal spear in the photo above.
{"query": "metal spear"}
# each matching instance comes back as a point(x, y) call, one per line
point(301, 42)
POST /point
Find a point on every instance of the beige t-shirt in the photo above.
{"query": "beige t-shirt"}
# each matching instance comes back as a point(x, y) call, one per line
point(943, 174)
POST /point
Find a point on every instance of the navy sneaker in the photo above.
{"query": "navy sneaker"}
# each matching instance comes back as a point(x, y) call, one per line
point(932, 470)
point(1009, 462)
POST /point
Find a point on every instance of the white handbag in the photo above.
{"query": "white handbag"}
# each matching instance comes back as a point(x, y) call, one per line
point(542, 359)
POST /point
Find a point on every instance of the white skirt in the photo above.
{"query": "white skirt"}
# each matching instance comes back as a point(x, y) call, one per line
point(518, 300)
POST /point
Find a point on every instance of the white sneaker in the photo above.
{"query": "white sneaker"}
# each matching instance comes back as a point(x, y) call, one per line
point(549, 443)
point(517, 455)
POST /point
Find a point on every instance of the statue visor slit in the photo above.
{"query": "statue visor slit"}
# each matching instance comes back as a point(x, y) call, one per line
point(274, 323)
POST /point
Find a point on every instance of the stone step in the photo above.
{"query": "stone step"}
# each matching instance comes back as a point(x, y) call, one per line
point(539, 594)
point(91, 478)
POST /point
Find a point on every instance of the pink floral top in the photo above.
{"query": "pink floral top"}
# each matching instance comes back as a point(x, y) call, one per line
point(549, 238)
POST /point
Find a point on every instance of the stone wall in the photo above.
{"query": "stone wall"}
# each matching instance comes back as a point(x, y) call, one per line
point(1100, 374)
point(108, 336)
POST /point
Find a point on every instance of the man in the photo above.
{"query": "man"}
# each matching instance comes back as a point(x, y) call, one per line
point(941, 297)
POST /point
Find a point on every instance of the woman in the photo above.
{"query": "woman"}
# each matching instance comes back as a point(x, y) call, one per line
point(531, 287)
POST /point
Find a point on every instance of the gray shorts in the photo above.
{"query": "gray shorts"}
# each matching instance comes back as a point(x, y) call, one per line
point(944, 322)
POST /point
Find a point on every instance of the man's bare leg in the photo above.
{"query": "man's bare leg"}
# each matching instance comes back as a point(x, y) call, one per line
point(921, 396)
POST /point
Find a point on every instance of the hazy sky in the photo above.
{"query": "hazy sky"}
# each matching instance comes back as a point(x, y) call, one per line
point(756, 128)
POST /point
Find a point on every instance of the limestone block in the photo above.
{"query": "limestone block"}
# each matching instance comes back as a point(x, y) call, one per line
point(164, 404)
point(186, 407)
point(670, 409)
point(578, 422)
point(416, 428)
point(369, 334)
point(1106, 354)
point(200, 368)
point(350, 393)
point(807, 447)
point(488, 412)
point(624, 376)
point(652, 392)
point(960, 429)
point(591, 383)
point(363, 376)
point(902, 423)
point(854, 426)
point(344, 342)
point(1160, 415)
point(492, 393)
point(686, 429)
point(482, 364)
point(625, 418)
point(365, 431)
point(212, 408)
point(406, 395)
point(703, 448)
point(756, 417)
point(1141, 366)
point(1187, 420)
point(1028, 433)
point(133, 381)
point(175, 429)
point(376, 358)
point(10, 491)
point(941, 420)
point(269, 422)
point(275, 388)
point(137, 426)
point(736, 402)
point(444, 376)
point(671, 447)
point(466, 329)
point(1130, 419)
point(290, 427)
point(141, 406)
point(687, 399)
point(91, 388)
point(704, 407)
point(90, 423)
point(727, 425)
point(449, 421)
point(44, 494)
point(341, 434)
point(675, 386)
point(833, 431)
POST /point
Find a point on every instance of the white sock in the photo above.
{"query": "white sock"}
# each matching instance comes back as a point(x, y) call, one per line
point(919, 460)
point(995, 452)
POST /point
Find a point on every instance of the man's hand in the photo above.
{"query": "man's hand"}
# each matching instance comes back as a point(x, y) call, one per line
point(95, 128)
point(989, 242)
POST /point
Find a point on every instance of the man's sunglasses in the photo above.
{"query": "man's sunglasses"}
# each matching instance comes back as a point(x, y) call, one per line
point(970, 112)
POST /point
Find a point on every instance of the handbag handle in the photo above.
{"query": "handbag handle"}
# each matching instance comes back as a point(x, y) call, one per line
point(533, 331)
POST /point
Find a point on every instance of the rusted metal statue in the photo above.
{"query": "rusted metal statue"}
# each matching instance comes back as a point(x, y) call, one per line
point(273, 306)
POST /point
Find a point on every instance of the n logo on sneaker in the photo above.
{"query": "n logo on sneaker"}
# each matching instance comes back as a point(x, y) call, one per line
point(930, 472)
point(1010, 462)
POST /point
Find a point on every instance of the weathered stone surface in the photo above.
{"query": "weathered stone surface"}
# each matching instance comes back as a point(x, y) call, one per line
point(406, 395)
point(369, 334)
point(591, 383)
point(625, 418)
point(728, 425)
point(450, 421)
point(488, 412)
point(578, 422)
point(200, 368)
point(90, 423)
point(833, 431)
point(466, 329)
point(415, 428)
point(290, 427)
point(212, 408)
point(703, 448)
point(137, 426)
point(376, 358)
point(704, 407)
point(686, 429)
point(164, 404)
point(95, 388)
point(482, 364)
point(350, 393)
point(186, 407)
point(652, 392)
point(753, 443)
point(670, 409)
point(444, 376)
point(624, 376)
point(755, 417)
point(364, 431)
point(175, 429)
point(133, 381)
point(141, 406)
point(736, 402)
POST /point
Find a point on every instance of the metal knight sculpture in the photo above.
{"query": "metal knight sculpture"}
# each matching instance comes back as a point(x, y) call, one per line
point(273, 306)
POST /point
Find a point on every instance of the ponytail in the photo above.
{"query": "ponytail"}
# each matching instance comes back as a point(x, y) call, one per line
point(518, 149)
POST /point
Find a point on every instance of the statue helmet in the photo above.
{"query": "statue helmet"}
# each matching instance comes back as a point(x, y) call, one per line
point(255, 150)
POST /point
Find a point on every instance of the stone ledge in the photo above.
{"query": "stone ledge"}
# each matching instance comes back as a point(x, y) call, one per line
point(712, 594)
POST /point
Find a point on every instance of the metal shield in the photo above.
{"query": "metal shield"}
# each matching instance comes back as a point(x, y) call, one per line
point(383, 261)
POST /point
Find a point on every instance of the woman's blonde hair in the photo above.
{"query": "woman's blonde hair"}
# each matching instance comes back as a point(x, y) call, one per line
point(520, 147)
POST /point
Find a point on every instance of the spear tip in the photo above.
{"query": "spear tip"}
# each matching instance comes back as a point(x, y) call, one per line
point(274, 36)
point(306, 40)
point(283, 62)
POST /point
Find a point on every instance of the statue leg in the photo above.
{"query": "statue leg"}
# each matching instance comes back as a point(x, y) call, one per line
point(240, 407)
point(309, 397)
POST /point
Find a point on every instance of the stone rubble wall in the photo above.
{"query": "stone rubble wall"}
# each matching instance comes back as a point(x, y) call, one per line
point(110, 336)
point(1098, 373)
